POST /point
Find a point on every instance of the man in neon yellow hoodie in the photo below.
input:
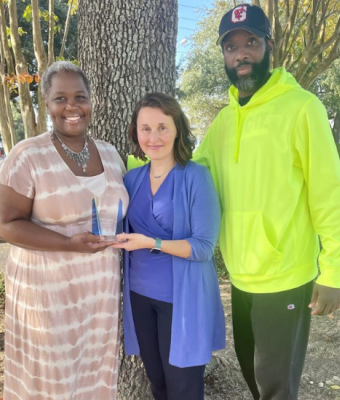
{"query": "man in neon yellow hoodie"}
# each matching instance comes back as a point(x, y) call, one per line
point(275, 166)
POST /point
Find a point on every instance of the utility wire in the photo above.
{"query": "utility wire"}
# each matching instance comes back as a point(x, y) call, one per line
point(187, 29)
point(196, 8)
point(189, 19)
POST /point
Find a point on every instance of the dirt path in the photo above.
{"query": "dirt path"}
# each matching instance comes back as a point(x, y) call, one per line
point(320, 380)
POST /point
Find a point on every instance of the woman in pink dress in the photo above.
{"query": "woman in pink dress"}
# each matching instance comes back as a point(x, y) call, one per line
point(62, 283)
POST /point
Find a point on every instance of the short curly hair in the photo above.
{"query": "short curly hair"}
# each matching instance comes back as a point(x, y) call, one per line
point(61, 66)
point(185, 140)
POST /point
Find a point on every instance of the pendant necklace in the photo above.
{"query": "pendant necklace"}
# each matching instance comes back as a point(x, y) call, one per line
point(80, 158)
point(159, 176)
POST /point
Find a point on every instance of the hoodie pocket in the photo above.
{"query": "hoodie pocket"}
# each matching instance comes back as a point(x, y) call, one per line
point(249, 250)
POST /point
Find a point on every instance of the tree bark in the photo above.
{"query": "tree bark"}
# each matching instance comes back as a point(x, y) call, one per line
point(26, 105)
point(126, 48)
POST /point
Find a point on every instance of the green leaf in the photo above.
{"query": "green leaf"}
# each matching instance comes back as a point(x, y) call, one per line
point(57, 28)
point(28, 13)
point(21, 32)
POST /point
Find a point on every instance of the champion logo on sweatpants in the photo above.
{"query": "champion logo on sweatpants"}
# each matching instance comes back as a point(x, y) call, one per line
point(291, 307)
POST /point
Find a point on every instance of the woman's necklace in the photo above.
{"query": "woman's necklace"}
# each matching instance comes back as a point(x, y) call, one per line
point(80, 158)
point(159, 176)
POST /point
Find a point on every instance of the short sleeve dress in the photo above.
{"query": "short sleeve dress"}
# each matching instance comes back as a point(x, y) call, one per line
point(62, 308)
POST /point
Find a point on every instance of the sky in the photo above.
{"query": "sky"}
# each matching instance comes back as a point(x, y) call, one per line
point(189, 13)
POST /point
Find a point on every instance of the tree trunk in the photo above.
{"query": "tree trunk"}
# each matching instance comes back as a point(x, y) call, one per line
point(269, 10)
point(41, 57)
point(4, 41)
point(4, 128)
point(26, 105)
point(7, 128)
point(126, 48)
point(6, 117)
point(50, 32)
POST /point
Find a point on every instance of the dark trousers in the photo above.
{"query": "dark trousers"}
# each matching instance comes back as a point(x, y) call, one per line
point(152, 320)
point(271, 333)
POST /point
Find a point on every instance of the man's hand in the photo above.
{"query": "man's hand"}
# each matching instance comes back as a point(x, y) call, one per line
point(325, 299)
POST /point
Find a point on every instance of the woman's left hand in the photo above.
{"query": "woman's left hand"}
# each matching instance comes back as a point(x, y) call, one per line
point(133, 241)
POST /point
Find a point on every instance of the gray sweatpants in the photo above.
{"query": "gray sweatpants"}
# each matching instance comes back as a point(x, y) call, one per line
point(271, 333)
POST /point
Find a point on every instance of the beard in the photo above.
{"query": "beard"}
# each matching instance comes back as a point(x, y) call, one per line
point(252, 82)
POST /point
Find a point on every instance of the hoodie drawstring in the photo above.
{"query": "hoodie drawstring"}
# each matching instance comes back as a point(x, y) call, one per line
point(238, 134)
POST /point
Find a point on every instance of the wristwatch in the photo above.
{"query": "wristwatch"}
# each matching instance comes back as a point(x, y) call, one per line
point(157, 247)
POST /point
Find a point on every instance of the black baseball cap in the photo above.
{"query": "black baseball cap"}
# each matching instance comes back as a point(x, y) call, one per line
point(245, 16)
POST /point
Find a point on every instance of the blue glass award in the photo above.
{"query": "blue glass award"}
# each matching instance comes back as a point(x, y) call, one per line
point(108, 233)
point(96, 228)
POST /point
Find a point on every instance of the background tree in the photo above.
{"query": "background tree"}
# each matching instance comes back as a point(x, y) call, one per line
point(31, 34)
point(327, 88)
point(307, 42)
point(127, 48)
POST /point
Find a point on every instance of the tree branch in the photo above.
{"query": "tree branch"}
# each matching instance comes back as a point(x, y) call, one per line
point(309, 78)
point(289, 27)
point(296, 34)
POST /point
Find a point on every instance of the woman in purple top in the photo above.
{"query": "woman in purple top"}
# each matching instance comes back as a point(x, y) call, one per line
point(173, 316)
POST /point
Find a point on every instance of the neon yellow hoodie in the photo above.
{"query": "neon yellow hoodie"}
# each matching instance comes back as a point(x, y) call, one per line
point(277, 172)
point(133, 162)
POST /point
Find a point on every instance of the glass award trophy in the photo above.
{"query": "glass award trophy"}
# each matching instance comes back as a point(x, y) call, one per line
point(105, 229)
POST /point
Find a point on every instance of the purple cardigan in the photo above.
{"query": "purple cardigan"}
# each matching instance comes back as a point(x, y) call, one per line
point(198, 325)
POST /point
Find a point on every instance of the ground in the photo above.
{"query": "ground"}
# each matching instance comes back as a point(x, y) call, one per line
point(320, 380)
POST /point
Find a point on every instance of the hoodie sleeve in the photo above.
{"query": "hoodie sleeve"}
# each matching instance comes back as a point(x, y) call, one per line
point(202, 154)
point(316, 154)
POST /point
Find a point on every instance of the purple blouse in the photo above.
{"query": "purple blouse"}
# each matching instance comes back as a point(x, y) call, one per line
point(151, 274)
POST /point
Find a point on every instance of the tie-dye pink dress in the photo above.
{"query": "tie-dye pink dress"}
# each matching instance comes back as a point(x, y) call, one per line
point(62, 308)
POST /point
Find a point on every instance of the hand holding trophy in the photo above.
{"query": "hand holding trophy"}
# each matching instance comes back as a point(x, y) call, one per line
point(106, 234)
